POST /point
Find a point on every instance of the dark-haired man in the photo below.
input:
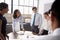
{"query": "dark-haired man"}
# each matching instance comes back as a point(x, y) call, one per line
point(36, 21)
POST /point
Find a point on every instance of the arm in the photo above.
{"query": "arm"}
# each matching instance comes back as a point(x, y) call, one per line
point(1, 36)
point(22, 23)
point(31, 21)
point(40, 21)
point(13, 25)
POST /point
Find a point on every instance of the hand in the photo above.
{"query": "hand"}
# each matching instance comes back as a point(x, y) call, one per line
point(14, 33)
point(24, 30)
point(41, 31)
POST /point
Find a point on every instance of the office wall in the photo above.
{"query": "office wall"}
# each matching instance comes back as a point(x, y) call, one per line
point(47, 7)
point(44, 5)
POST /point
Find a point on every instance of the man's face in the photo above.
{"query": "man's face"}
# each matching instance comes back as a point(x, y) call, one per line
point(34, 11)
point(18, 13)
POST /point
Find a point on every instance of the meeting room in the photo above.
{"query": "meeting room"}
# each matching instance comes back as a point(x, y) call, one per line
point(29, 19)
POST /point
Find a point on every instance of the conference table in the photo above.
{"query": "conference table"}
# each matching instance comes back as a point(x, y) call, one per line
point(21, 35)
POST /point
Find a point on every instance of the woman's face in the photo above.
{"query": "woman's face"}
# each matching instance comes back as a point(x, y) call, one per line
point(5, 10)
point(18, 13)
point(45, 16)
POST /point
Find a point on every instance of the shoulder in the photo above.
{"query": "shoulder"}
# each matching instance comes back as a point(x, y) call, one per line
point(14, 20)
point(20, 17)
point(32, 14)
point(38, 14)
point(48, 37)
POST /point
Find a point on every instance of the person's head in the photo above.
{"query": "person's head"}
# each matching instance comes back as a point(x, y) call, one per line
point(55, 14)
point(34, 9)
point(16, 14)
point(3, 8)
point(46, 16)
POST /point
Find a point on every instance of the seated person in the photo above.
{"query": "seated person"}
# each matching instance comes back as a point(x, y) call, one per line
point(44, 29)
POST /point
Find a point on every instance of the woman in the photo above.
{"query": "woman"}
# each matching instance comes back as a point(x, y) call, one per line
point(17, 18)
point(3, 21)
point(45, 28)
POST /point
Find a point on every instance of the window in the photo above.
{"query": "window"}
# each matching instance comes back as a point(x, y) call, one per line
point(35, 3)
point(30, 10)
point(21, 2)
point(21, 8)
point(25, 10)
point(25, 6)
point(30, 2)
point(15, 2)
point(26, 2)
point(1, 1)
point(15, 7)
point(9, 5)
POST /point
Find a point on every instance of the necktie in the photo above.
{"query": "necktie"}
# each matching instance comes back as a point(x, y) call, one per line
point(34, 20)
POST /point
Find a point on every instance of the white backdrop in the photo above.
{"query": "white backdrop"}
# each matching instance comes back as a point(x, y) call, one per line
point(42, 5)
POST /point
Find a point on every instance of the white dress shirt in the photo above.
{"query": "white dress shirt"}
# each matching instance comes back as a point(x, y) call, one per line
point(46, 25)
point(17, 24)
point(38, 19)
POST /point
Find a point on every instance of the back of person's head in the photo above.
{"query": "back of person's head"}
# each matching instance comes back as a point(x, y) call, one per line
point(56, 10)
point(3, 6)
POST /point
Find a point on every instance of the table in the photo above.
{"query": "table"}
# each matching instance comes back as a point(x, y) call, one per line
point(27, 35)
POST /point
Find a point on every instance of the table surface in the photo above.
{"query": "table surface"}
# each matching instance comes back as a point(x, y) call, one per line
point(27, 35)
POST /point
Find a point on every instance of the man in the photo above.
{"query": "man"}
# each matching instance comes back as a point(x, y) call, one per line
point(35, 21)
point(3, 21)
point(55, 21)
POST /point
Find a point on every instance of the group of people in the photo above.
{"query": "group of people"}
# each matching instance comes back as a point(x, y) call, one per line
point(50, 24)
point(39, 26)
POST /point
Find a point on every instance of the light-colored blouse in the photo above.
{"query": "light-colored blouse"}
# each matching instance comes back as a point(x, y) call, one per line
point(17, 24)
